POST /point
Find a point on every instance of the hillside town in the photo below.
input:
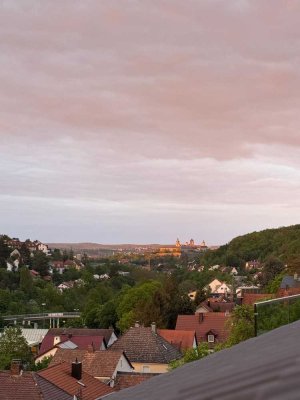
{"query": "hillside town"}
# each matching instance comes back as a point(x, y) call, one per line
point(79, 327)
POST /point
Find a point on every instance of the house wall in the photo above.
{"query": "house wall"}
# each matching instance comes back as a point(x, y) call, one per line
point(153, 367)
point(112, 339)
point(49, 353)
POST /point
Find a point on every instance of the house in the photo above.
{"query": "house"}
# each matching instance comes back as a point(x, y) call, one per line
point(65, 286)
point(67, 382)
point(224, 288)
point(254, 264)
point(34, 273)
point(125, 380)
point(104, 276)
point(182, 340)
point(73, 338)
point(57, 335)
point(214, 268)
point(213, 286)
point(251, 298)
point(192, 295)
point(215, 305)
point(265, 367)
point(34, 338)
point(148, 351)
point(234, 271)
point(241, 290)
point(17, 384)
point(102, 365)
point(210, 327)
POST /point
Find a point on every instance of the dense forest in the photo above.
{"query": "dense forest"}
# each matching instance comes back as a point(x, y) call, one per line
point(282, 243)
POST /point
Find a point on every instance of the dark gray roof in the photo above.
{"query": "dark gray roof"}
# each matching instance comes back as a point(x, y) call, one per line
point(140, 344)
point(50, 391)
point(262, 368)
point(289, 281)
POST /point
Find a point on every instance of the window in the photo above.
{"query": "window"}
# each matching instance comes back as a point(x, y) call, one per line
point(146, 369)
point(211, 338)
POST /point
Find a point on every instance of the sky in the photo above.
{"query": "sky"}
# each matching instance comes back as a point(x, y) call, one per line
point(140, 121)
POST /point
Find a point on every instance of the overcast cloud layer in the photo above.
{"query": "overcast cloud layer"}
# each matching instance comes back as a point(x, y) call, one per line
point(140, 121)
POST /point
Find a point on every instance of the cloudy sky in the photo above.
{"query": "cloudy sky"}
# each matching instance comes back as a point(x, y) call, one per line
point(144, 120)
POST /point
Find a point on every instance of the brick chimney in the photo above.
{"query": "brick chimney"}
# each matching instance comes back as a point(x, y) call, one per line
point(76, 371)
point(15, 367)
point(153, 327)
point(201, 317)
point(91, 348)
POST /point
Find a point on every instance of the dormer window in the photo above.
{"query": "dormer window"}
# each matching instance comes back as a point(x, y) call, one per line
point(211, 338)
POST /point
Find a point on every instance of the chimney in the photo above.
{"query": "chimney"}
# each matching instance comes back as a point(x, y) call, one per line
point(136, 325)
point(91, 348)
point(295, 276)
point(201, 317)
point(153, 327)
point(76, 371)
point(15, 367)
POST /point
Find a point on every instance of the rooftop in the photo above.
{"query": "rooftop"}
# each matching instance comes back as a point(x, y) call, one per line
point(59, 375)
point(266, 367)
point(98, 363)
point(203, 323)
point(143, 345)
point(18, 387)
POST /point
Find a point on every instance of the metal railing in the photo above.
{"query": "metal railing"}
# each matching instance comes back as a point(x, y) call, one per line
point(271, 314)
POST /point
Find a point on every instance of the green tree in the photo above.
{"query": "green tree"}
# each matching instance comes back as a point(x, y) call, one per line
point(272, 267)
point(4, 252)
point(25, 254)
point(241, 325)
point(40, 263)
point(202, 350)
point(134, 301)
point(26, 283)
point(13, 345)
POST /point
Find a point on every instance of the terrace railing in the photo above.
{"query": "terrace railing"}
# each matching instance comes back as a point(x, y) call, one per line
point(271, 314)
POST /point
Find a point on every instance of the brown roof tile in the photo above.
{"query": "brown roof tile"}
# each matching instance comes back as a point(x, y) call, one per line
point(143, 345)
point(18, 387)
point(60, 376)
point(102, 363)
point(182, 340)
point(251, 298)
point(126, 379)
point(204, 323)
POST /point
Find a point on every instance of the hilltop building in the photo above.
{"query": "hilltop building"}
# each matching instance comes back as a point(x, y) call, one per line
point(180, 248)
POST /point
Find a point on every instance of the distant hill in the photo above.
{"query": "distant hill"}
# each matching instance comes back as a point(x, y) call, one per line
point(283, 243)
point(99, 246)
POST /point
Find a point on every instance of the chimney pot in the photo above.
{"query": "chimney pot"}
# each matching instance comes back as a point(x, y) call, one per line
point(153, 327)
point(201, 317)
point(76, 371)
point(15, 367)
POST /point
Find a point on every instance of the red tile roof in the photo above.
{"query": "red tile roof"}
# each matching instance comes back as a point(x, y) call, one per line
point(251, 298)
point(182, 340)
point(126, 379)
point(98, 363)
point(60, 376)
point(288, 292)
point(204, 323)
point(82, 337)
point(18, 387)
